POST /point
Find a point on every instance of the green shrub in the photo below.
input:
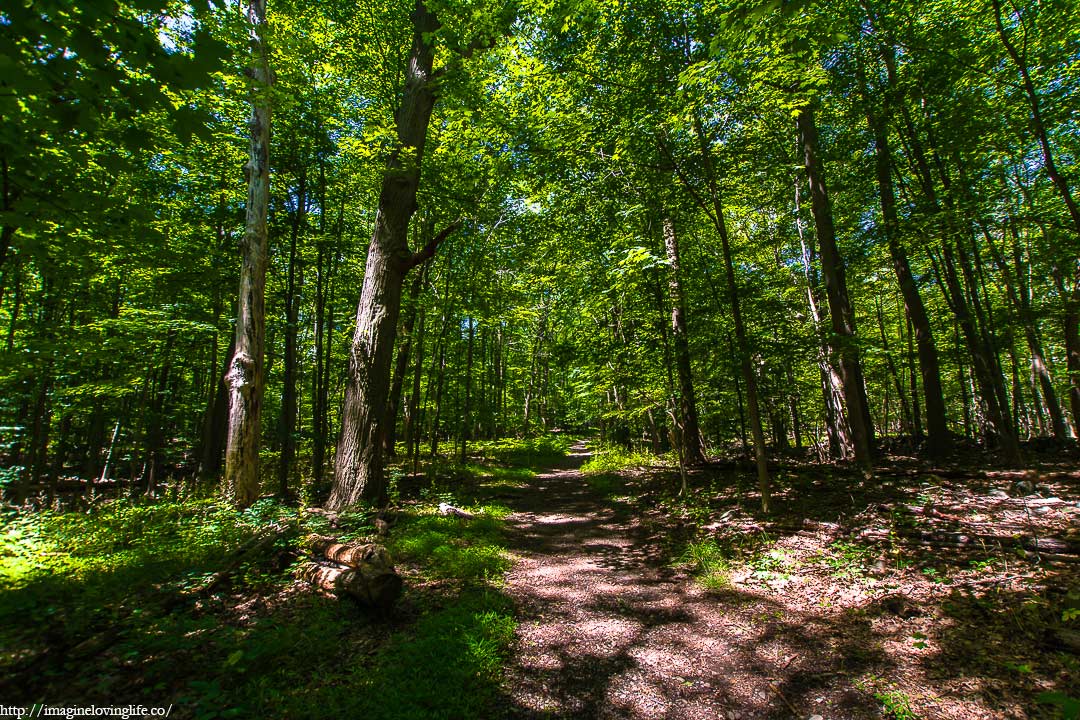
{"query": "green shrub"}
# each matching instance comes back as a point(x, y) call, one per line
point(613, 458)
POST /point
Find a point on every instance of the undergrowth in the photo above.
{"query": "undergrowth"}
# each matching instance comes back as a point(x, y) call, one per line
point(613, 458)
point(92, 610)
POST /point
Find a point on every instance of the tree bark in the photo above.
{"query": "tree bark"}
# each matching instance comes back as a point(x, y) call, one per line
point(358, 468)
point(412, 409)
point(466, 413)
point(937, 429)
point(216, 420)
point(401, 364)
point(691, 434)
point(987, 375)
point(1071, 319)
point(245, 378)
point(715, 210)
point(840, 309)
point(287, 419)
point(832, 391)
point(1020, 297)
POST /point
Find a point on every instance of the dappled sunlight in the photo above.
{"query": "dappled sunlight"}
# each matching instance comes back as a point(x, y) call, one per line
point(796, 623)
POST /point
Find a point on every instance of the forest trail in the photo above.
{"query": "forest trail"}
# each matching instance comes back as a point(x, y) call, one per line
point(606, 630)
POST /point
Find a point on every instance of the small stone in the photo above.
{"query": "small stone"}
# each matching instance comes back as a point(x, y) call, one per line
point(1000, 494)
point(815, 717)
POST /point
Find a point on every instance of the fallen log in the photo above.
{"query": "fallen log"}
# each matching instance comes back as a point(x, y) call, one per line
point(368, 574)
point(375, 588)
point(354, 555)
point(448, 509)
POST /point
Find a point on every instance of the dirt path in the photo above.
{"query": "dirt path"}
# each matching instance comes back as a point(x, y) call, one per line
point(607, 631)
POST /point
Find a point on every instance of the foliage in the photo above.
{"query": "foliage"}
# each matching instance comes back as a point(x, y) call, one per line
point(450, 547)
point(613, 458)
point(711, 563)
point(849, 559)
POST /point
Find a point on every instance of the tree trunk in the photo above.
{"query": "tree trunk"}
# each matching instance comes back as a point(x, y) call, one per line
point(438, 367)
point(154, 432)
point(401, 364)
point(1071, 319)
point(937, 429)
point(691, 434)
point(839, 440)
point(716, 214)
point(7, 197)
point(840, 310)
point(983, 367)
point(890, 366)
point(245, 378)
point(287, 420)
point(1020, 297)
point(324, 346)
point(358, 467)
point(216, 420)
point(466, 413)
point(1037, 125)
point(412, 409)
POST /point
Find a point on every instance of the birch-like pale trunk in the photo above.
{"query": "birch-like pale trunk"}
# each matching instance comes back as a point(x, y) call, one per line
point(245, 377)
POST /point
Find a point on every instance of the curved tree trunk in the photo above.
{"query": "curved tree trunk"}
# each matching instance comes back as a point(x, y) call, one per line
point(358, 468)
point(245, 377)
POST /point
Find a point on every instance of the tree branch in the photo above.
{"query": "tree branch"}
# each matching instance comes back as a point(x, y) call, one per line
point(428, 251)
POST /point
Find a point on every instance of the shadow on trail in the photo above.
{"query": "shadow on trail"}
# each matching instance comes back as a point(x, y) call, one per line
point(606, 630)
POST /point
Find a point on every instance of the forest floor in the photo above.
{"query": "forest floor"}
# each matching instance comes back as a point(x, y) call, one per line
point(904, 597)
point(580, 586)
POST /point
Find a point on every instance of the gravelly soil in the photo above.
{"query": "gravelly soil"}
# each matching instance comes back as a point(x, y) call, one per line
point(609, 630)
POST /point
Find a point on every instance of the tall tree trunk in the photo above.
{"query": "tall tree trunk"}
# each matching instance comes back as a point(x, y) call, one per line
point(324, 346)
point(531, 385)
point(8, 195)
point(840, 309)
point(154, 437)
point(1020, 297)
point(245, 378)
point(287, 419)
point(937, 429)
point(985, 369)
point(358, 467)
point(832, 390)
point(1071, 319)
point(440, 381)
point(691, 434)
point(890, 366)
point(412, 409)
point(401, 364)
point(916, 414)
point(466, 412)
point(715, 210)
point(216, 420)
point(793, 405)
